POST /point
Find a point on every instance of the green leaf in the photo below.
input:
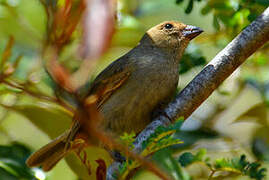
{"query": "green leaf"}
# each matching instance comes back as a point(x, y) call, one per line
point(50, 119)
point(128, 139)
point(163, 132)
point(254, 171)
point(200, 155)
point(216, 23)
point(234, 165)
point(252, 16)
point(241, 165)
point(12, 162)
point(189, 7)
point(206, 10)
point(262, 2)
point(179, 1)
point(159, 140)
point(186, 159)
point(166, 160)
point(6, 175)
point(192, 57)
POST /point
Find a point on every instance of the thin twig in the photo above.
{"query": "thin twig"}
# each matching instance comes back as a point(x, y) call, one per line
point(39, 95)
point(211, 175)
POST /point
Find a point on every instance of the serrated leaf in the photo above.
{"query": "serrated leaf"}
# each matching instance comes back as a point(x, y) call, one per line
point(241, 165)
point(160, 139)
point(161, 132)
point(128, 139)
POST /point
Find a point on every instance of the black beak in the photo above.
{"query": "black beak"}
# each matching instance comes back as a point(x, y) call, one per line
point(191, 32)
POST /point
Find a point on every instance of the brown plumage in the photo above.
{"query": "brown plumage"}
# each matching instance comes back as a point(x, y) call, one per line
point(135, 85)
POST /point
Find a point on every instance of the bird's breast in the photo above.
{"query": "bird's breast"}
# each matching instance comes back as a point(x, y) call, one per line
point(131, 106)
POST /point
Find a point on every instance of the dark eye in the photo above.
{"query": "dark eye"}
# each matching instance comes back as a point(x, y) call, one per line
point(168, 26)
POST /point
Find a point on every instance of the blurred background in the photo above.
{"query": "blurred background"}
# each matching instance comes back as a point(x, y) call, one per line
point(233, 121)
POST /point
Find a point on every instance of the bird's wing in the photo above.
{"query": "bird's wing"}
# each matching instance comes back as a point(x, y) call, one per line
point(110, 79)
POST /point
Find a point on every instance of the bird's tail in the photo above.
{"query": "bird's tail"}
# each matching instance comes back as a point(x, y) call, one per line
point(50, 154)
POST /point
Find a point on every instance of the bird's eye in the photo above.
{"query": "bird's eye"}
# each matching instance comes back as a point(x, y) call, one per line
point(168, 26)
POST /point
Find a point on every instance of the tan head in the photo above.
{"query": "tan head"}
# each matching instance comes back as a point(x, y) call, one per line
point(172, 35)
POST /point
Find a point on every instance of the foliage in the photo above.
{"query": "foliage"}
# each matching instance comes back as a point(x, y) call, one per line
point(234, 165)
point(160, 139)
point(12, 164)
point(190, 5)
point(192, 57)
point(188, 158)
point(233, 14)
point(128, 139)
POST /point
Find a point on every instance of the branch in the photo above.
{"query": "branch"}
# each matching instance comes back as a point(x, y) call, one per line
point(215, 72)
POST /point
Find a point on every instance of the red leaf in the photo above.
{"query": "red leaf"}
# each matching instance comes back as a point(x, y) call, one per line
point(101, 169)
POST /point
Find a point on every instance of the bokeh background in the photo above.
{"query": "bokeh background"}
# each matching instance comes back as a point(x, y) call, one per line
point(233, 121)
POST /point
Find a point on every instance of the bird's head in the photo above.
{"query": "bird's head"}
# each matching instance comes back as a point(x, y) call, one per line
point(172, 35)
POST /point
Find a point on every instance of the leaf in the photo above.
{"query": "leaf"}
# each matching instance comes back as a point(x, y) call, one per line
point(50, 119)
point(12, 162)
point(93, 154)
point(262, 2)
point(235, 165)
point(101, 169)
point(191, 58)
point(205, 10)
point(216, 23)
point(166, 160)
point(161, 144)
point(200, 155)
point(241, 165)
point(256, 173)
point(252, 16)
point(6, 175)
point(161, 132)
point(186, 159)
point(189, 7)
point(160, 139)
point(260, 147)
point(179, 1)
point(128, 139)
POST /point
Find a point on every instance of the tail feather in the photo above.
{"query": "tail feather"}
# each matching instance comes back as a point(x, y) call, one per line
point(50, 154)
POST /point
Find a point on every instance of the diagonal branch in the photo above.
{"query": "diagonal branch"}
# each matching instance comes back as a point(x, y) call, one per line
point(214, 73)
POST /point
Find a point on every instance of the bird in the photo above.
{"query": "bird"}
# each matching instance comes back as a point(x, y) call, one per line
point(140, 83)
